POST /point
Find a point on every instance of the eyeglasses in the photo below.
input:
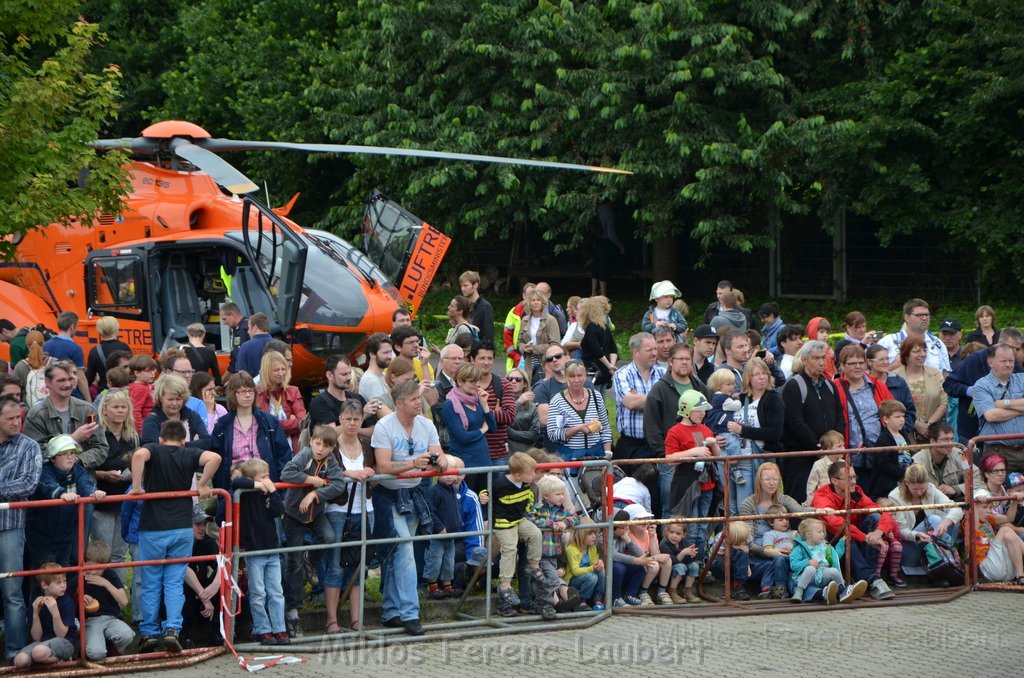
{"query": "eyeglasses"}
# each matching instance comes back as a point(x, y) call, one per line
point(245, 392)
point(854, 363)
point(553, 358)
point(998, 470)
point(921, 315)
point(184, 373)
point(517, 380)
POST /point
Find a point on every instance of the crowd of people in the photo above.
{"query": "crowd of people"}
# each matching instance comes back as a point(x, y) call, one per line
point(111, 423)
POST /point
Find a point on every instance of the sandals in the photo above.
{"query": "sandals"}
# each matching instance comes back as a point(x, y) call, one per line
point(333, 629)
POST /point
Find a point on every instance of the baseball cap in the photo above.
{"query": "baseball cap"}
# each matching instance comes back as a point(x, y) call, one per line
point(637, 512)
point(199, 515)
point(950, 325)
point(61, 444)
point(705, 332)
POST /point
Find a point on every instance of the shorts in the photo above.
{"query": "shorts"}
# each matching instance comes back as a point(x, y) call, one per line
point(62, 648)
point(997, 565)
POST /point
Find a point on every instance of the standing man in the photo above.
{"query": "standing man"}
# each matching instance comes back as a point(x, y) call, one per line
point(999, 402)
point(950, 333)
point(812, 407)
point(408, 343)
point(250, 353)
point(232, 316)
point(791, 340)
point(661, 411)
point(60, 412)
point(632, 383)
point(501, 400)
point(402, 441)
point(326, 407)
point(547, 388)
point(771, 324)
point(916, 318)
point(704, 346)
point(664, 340)
point(736, 346)
point(62, 346)
point(401, 318)
point(452, 358)
point(960, 383)
point(513, 323)
point(482, 313)
point(714, 307)
point(729, 317)
point(379, 354)
point(20, 465)
point(554, 309)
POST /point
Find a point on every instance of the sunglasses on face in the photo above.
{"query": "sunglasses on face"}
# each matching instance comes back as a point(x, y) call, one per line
point(553, 358)
point(517, 380)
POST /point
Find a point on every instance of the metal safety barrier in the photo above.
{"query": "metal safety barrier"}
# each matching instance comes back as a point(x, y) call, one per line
point(972, 571)
point(84, 666)
point(465, 625)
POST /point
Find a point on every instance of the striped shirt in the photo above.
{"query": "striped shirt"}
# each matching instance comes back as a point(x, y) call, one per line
point(21, 462)
point(631, 422)
point(504, 415)
point(510, 502)
point(562, 415)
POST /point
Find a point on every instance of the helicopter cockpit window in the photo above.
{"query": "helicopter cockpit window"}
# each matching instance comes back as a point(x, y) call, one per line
point(116, 284)
point(388, 231)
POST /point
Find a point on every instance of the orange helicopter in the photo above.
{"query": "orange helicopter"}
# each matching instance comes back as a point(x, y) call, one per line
point(192, 235)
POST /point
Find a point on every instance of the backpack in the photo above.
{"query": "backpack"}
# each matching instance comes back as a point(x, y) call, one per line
point(802, 386)
point(473, 331)
point(35, 386)
point(305, 431)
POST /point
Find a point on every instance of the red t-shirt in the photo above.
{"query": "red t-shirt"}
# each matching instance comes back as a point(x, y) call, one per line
point(683, 437)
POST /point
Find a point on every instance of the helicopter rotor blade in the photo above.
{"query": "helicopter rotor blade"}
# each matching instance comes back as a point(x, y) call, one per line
point(219, 169)
point(221, 145)
point(139, 145)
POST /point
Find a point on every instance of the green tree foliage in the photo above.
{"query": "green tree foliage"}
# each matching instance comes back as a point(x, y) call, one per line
point(51, 105)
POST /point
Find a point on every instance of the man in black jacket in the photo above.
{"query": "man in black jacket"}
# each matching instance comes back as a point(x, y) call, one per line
point(661, 412)
point(812, 407)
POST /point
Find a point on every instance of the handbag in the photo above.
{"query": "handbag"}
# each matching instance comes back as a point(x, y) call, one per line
point(353, 533)
point(944, 563)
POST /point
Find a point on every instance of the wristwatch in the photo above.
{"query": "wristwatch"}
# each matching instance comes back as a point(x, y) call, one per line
point(1006, 402)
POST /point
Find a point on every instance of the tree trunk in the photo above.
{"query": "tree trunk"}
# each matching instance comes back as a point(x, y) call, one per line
point(664, 265)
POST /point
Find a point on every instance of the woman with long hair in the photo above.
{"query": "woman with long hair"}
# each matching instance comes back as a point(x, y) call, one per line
point(524, 432)
point(919, 527)
point(278, 398)
point(459, 309)
point(986, 333)
point(113, 475)
point(772, 569)
point(539, 329)
point(758, 423)
point(597, 348)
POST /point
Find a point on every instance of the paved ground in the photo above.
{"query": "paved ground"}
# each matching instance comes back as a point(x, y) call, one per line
point(973, 635)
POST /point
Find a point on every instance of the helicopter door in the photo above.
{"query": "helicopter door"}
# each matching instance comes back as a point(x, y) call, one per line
point(405, 247)
point(279, 254)
point(115, 284)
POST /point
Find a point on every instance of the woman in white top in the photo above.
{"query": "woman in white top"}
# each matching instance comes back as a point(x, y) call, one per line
point(356, 456)
point(920, 526)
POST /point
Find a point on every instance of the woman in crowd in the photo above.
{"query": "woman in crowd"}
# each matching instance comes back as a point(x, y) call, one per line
point(459, 310)
point(758, 424)
point(524, 432)
point(925, 386)
point(856, 326)
point(246, 432)
point(169, 399)
point(986, 333)
point(202, 357)
point(203, 389)
point(468, 417)
point(356, 457)
point(573, 333)
point(112, 474)
point(35, 360)
point(539, 329)
point(401, 369)
point(771, 569)
point(920, 526)
point(878, 369)
point(96, 364)
point(597, 348)
point(278, 398)
point(992, 472)
point(577, 418)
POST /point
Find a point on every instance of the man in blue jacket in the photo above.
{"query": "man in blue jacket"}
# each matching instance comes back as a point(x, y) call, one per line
point(960, 382)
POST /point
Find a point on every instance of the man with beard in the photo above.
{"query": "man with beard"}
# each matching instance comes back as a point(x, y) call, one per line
point(379, 354)
point(326, 407)
point(664, 340)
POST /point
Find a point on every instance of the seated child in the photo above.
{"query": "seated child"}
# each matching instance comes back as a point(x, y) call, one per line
point(584, 567)
point(662, 311)
point(258, 513)
point(439, 559)
point(628, 565)
point(105, 598)
point(51, 534)
point(659, 565)
point(777, 544)
point(1000, 553)
point(739, 560)
point(316, 465)
point(512, 498)
point(54, 624)
point(165, 528)
point(829, 440)
point(553, 520)
point(684, 563)
point(815, 565)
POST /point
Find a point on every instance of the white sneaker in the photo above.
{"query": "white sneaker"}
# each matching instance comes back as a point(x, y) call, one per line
point(880, 590)
point(853, 591)
point(831, 593)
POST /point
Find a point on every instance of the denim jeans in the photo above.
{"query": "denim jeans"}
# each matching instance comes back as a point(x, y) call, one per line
point(336, 576)
point(137, 575)
point(666, 472)
point(106, 527)
point(626, 579)
point(166, 579)
point(266, 594)
point(590, 585)
point(770, 571)
point(103, 628)
point(698, 533)
point(440, 560)
point(863, 556)
point(12, 551)
point(399, 595)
